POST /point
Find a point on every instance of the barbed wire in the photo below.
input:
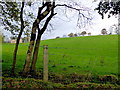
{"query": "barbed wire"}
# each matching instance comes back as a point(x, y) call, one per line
point(81, 48)
point(73, 48)
point(65, 54)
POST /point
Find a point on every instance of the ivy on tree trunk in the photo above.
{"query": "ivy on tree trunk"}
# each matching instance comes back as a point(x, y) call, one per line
point(40, 17)
point(40, 32)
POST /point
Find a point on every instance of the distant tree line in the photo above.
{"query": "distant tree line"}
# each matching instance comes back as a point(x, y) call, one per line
point(104, 31)
point(83, 33)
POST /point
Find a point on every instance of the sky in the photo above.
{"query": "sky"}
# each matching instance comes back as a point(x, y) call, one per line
point(64, 26)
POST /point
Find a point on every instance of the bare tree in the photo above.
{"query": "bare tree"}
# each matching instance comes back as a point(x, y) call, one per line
point(46, 11)
point(83, 33)
point(35, 54)
point(104, 31)
point(75, 35)
point(57, 37)
point(40, 32)
point(113, 28)
point(41, 16)
point(110, 30)
point(71, 35)
point(116, 29)
point(89, 34)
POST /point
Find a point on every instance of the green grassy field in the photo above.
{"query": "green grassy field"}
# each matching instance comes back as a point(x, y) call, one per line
point(83, 55)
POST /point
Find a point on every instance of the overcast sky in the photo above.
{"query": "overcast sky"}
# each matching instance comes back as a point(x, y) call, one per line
point(64, 26)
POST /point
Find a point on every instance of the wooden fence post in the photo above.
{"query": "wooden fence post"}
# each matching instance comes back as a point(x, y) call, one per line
point(45, 63)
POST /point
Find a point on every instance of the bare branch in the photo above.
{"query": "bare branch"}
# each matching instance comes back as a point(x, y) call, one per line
point(83, 19)
point(65, 5)
point(47, 21)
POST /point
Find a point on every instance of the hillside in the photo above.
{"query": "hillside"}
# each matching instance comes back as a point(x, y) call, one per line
point(88, 54)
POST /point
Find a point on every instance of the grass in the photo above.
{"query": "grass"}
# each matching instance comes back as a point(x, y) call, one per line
point(83, 55)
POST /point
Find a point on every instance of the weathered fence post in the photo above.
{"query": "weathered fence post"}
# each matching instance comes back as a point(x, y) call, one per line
point(45, 63)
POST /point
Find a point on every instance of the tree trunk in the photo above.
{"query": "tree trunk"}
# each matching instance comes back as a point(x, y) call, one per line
point(40, 32)
point(40, 17)
point(30, 48)
point(35, 54)
point(18, 39)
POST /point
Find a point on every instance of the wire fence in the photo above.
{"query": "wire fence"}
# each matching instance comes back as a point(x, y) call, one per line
point(78, 60)
point(70, 62)
point(71, 48)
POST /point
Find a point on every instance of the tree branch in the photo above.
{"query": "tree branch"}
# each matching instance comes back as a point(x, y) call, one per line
point(81, 14)
point(21, 16)
point(65, 5)
point(48, 20)
point(41, 8)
